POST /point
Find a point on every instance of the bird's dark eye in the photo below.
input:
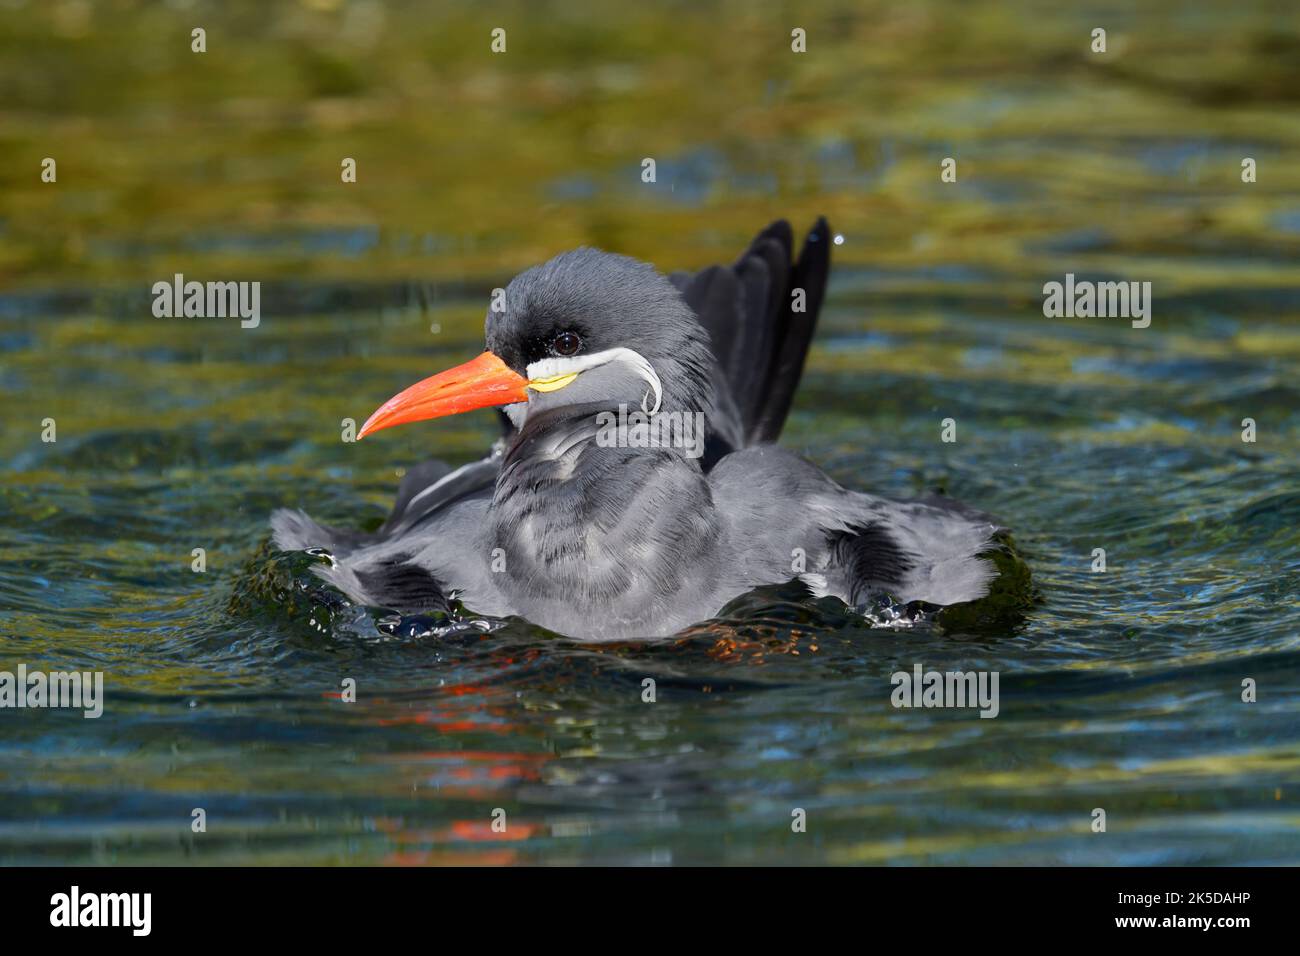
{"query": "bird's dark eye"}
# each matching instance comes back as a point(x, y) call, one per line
point(566, 343)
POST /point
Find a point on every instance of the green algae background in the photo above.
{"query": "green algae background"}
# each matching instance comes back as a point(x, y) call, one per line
point(474, 164)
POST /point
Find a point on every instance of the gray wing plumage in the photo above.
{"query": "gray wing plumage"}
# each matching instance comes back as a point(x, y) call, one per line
point(373, 567)
point(913, 550)
point(788, 519)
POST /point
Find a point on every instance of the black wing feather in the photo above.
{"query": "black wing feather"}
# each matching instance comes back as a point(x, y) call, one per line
point(809, 274)
point(760, 342)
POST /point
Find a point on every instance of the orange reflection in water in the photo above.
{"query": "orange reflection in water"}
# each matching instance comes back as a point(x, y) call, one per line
point(442, 848)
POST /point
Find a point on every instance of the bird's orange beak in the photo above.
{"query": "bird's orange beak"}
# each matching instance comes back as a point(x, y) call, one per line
point(478, 383)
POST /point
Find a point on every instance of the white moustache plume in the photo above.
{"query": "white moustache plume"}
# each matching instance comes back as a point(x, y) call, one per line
point(555, 367)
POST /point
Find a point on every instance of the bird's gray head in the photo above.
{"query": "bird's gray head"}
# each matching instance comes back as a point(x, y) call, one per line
point(586, 328)
point(593, 328)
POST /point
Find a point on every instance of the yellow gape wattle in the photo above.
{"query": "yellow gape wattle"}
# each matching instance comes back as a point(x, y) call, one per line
point(552, 384)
